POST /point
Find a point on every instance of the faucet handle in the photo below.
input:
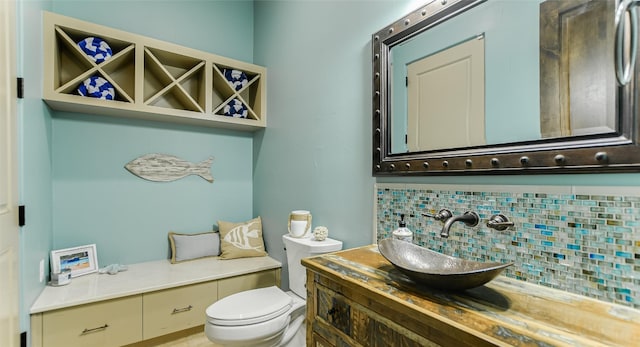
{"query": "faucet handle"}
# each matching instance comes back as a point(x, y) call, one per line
point(442, 215)
point(499, 222)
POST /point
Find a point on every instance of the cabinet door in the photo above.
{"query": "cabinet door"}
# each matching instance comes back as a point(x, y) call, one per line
point(318, 341)
point(238, 284)
point(345, 322)
point(108, 323)
point(172, 310)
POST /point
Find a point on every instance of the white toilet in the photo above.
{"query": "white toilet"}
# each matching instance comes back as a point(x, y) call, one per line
point(268, 316)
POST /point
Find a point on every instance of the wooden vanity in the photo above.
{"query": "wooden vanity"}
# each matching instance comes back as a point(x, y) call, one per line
point(357, 298)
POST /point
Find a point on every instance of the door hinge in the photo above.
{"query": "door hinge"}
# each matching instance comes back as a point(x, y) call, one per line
point(21, 215)
point(406, 81)
point(23, 339)
point(20, 87)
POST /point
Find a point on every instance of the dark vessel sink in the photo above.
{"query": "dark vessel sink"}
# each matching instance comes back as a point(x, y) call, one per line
point(438, 270)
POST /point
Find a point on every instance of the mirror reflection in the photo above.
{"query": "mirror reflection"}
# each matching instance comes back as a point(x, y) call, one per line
point(505, 72)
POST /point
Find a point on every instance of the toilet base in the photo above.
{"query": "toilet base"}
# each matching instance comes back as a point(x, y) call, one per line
point(299, 339)
point(262, 335)
point(271, 341)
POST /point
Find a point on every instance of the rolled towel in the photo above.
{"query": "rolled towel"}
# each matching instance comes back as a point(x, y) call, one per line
point(97, 87)
point(236, 78)
point(235, 108)
point(96, 49)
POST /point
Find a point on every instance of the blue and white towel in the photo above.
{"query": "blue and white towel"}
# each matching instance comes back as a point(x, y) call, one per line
point(236, 78)
point(235, 108)
point(96, 49)
point(97, 87)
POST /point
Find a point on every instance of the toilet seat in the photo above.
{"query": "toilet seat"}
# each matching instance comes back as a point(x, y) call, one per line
point(249, 307)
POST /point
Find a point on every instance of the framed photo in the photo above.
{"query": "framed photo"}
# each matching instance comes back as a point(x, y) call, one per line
point(80, 260)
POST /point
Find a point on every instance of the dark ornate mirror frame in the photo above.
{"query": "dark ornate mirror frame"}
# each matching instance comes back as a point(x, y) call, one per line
point(587, 154)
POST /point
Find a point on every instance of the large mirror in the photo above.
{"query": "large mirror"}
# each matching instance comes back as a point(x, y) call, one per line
point(500, 86)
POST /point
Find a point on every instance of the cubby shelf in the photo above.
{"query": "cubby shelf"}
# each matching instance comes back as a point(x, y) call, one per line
point(152, 79)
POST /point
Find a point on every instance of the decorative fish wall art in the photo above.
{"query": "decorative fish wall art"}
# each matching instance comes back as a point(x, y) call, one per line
point(165, 168)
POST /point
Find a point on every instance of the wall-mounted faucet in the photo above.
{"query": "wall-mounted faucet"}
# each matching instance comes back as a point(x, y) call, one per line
point(499, 222)
point(469, 218)
point(441, 216)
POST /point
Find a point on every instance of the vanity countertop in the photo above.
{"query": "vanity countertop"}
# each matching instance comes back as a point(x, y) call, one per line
point(146, 277)
point(503, 312)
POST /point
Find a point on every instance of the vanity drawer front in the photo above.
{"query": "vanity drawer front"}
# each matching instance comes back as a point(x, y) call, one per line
point(107, 323)
point(354, 324)
point(176, 309)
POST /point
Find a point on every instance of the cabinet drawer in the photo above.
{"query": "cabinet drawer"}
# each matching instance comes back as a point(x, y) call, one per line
point(176, 309)
point(238, 284)
point(318, 341)
point(341, 321)
point(108, 323)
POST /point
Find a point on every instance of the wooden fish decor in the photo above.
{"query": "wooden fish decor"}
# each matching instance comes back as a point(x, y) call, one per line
point(166, 168)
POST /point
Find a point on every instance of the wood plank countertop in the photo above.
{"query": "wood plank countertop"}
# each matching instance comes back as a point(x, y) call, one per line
point(503, 312)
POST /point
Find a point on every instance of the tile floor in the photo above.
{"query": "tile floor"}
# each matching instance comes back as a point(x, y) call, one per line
point(193, 337)
point(195, 340)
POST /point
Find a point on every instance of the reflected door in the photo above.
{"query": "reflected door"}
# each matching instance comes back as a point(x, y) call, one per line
point(446, 98)
point(577, 78)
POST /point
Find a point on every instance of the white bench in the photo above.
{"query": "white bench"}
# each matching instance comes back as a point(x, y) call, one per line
point(148, 300)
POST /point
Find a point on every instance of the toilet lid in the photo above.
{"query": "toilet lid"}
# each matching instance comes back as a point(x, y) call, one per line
point(249, 307)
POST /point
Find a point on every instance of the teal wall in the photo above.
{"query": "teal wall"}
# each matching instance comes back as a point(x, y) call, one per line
point(35, 157)
point(315, 152)
point(73, 179)
point(223, 27)
point(95, 200)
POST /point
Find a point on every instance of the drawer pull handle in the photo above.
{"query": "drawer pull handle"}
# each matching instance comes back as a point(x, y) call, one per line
point(184, 309)
point(86, 331)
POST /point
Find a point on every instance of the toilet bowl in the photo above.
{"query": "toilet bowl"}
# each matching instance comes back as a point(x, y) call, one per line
point(257, 317)
point(268, 317)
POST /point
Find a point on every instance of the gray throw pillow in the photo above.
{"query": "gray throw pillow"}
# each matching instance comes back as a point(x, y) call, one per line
point(193, 246)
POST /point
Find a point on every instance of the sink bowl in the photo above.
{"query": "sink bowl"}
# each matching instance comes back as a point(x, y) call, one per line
point(438, 270)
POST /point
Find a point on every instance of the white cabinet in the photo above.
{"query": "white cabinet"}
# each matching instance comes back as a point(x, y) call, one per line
point(129, 319)
point(108, 323)
point(176, 309)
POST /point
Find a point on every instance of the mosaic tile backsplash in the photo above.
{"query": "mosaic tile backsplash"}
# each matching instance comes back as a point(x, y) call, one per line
point(583, 244)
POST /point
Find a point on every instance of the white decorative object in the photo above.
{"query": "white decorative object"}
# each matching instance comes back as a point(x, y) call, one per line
point(166, 168)
point(320, 233)
point(80, 260)
point(299, 223)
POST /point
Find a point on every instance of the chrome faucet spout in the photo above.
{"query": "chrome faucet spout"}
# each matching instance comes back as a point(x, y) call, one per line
point(469, 218)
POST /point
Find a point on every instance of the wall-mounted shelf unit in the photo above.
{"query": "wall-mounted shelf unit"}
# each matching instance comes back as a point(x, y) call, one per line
point(151, 79)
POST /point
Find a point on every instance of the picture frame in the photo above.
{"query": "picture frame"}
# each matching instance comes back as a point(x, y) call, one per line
point(81, 260)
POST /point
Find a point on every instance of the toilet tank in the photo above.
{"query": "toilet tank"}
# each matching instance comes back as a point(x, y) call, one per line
point(298, 248)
